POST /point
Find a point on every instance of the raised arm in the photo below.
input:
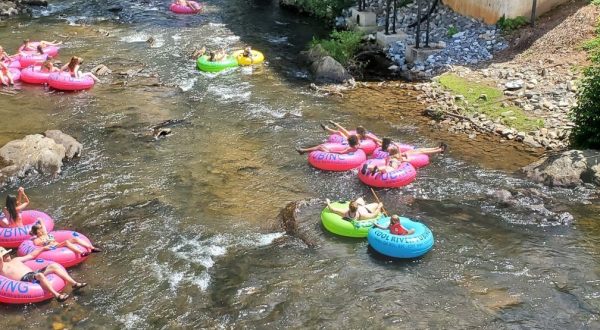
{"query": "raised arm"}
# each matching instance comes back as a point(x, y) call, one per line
point(20, 203)
point(343, 131)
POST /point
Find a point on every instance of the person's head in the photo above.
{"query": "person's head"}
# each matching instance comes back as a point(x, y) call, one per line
point(211, 56)
point(353, 141)
point(393, 151)
point(353, 207)
point(75, 61)
point(247, 51)
point(47, 65)
point(4, 254)
point(1, 49)
point(11, 206)
point(394, 219)
point(385, 143)
point(361, 132)
point(40, 49)
point(37, 230)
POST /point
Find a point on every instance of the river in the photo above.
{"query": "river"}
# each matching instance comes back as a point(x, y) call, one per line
point(187, 222)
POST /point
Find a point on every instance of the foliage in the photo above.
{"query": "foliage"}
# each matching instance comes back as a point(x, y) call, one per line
point(595, 2)
point(491, 105)
point(586, 115)
point(452, 30)
point(323, 8)
point(341, 45)
point(511, 24)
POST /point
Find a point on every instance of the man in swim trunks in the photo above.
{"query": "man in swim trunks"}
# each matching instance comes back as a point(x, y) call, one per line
point(16, 270)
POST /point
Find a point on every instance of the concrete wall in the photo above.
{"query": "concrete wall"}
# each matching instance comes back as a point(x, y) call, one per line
point(491, 11)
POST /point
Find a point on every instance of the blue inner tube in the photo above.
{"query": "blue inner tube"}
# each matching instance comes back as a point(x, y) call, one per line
point(401, 246)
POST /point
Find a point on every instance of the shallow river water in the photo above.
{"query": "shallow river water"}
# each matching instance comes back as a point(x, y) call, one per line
point(188, 222)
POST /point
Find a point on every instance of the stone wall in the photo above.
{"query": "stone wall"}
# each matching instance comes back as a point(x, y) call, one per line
point(492, 10)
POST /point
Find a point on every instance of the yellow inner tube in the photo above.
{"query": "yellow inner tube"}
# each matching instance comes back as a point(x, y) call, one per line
point(256, 58)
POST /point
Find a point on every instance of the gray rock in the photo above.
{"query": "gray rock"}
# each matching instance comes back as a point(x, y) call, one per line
point(514, 85)
point(530, 141)
point(32, 153)
point(72, 147)
point(568, 169)
point(328, 70)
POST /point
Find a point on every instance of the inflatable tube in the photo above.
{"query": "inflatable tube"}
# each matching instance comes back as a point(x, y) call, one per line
point(13, 64)
point(13, 237)
point(367, 145)
point(401, 246)
point(19, 292)
point(33, 75)
point(16, 74)
point(62, 255)
point(51, 51)
point(404, 175)
point(332, 161)
point(64, 82)
point(416, 160)
point(178, 9)
point(32, 59)
point(256, 58)
point(334, 223)
point(205, 65)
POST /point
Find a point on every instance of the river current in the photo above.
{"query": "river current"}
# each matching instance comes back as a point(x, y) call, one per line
point(188, 222)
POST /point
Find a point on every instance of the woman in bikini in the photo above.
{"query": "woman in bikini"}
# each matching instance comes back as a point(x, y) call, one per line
point(27, 46)
point(361, 132)
point(73, 69)
point(6, 78)
point(42, 238)
point(357, 210)
point(392, 162)
point(12, 211)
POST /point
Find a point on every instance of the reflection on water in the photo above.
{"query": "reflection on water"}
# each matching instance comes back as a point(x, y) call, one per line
point(187, 221)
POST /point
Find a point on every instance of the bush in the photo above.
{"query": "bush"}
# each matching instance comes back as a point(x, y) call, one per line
point(511, 24)
point(586, 115)
point(341, 45)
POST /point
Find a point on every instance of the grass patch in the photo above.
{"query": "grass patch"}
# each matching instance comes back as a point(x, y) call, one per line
point(492, 107)
point(511, 24)
point(341, 45)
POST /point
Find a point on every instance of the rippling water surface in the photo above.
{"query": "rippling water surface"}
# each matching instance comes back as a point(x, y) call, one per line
point(187, 222)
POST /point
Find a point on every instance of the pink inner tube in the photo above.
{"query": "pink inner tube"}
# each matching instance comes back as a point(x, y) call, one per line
point(62, 255)
point(64, 82)
point(31, 59)
point(19, 292)
point(416, 160)
point(367, 145)
point(16, 74)
point(404, 175)
point(332, 161)
point(33, 75)
point(13, 237)
point(178, 9)
point(383, 154)
point(51, 51)
point(13, 64)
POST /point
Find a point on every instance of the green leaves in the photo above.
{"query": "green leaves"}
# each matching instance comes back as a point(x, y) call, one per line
point(341, 45)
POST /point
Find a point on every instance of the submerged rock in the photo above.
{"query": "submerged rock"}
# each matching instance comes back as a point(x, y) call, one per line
point(301, 219)
point(566, 169)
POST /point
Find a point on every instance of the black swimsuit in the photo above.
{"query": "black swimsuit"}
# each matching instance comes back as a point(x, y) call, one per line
point(30, 277)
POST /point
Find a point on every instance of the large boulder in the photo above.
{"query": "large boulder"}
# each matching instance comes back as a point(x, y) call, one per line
point(568, 169)
point(301, 219)
point(36, 153)
point(314, 54)
point(72, 147)
point(328, 70)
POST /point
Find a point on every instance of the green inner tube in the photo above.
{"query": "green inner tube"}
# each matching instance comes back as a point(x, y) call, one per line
point(337, 225)
point(207, 66)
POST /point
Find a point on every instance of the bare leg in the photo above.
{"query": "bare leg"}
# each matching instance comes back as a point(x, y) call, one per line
point(315, 148)
point(71, 247)
point(360, 201)
point(82, 243)
point(45, 284)
point(373, 207)
point(60, 272)
point(91, 75)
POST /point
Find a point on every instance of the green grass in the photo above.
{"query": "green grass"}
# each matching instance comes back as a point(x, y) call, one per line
point(492, 106)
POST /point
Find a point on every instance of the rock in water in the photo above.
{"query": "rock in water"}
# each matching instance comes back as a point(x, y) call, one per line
point(568, 169)
point(328, 70)
point(72, 147)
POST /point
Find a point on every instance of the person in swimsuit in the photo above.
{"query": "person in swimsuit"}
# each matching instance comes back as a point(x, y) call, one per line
point(4, 55)
point(73, 69)
point(43, 239)
point(185, 3)
point(199, 52)
point(27, 46)
point(395, 227)
point(48, 67)
point(12, 211)
point(16, 270)
point(216, 56)
point(391, 163)
point(352, 147)
point(361, 132)
point(357, 210)
point(6, 77)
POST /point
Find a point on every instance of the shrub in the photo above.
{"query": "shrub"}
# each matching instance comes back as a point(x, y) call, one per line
point(452, 30)
point(511, 24)
point(323, 8)
point(586, 115)
point(341, 45)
